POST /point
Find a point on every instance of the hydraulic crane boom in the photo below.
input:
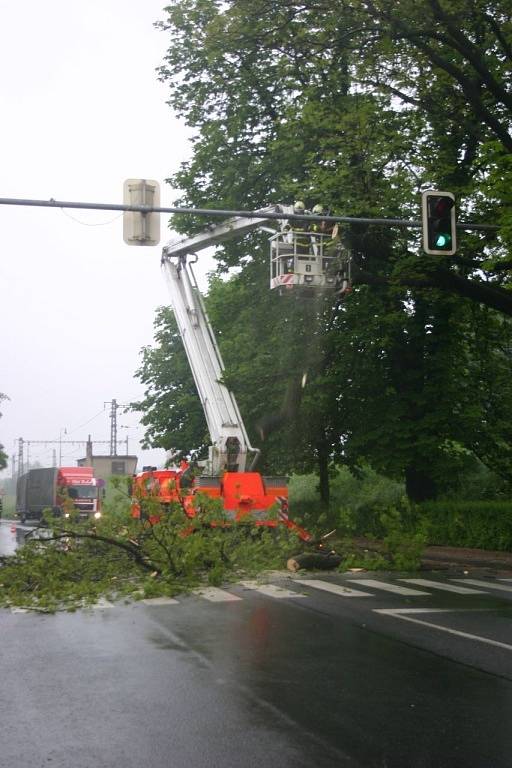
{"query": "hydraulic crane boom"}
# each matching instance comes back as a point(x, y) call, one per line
point(245, 495)
point(230, 446)
point(303, 260)
point(218, 233)
point(293, 264)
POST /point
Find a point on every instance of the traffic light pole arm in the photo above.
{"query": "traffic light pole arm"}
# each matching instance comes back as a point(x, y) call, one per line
point(221, 213)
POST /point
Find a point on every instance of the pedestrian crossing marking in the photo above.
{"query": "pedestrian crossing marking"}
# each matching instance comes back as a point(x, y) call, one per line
point(270, 590)
point(403, 614)
point(488, 584)
point(443, 586)
point(336, 589)
point(273, 591)
point(216, 595)
point(395, 588)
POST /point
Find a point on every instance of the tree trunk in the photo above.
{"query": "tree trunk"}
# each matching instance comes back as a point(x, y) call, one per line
point(323, 473)
point(419, 485)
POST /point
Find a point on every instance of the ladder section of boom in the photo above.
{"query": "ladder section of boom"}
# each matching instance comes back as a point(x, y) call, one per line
point(230, 445)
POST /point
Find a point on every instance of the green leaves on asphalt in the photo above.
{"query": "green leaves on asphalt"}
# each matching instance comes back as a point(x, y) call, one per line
point(68, 564)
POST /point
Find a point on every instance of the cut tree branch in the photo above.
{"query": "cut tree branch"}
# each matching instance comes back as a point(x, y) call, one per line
point(491, 296)
point(125, 546)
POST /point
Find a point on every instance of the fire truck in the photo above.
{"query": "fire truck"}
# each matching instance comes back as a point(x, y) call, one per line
point(229, 473)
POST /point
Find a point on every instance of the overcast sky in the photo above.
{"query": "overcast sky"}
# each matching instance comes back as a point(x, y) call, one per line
point(82, 110)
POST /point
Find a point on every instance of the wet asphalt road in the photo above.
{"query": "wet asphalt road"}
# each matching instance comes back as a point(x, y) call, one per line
point(379, 679)
point(10, 537)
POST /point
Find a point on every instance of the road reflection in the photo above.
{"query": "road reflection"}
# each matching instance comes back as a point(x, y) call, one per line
point(12, 536)
point(8, 539)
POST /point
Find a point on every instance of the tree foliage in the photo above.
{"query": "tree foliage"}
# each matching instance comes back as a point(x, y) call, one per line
point(69, 563)
point(171, 408)
point(359, 106)
point(3, 455)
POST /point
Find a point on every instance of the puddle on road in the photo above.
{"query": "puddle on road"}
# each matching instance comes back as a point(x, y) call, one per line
point(11, 537)
point(9, 541)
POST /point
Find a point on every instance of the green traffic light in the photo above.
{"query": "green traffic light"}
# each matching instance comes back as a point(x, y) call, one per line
point(438, 222)
point(443, 240)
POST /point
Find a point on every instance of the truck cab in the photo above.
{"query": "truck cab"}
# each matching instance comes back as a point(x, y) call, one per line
point(78, 485)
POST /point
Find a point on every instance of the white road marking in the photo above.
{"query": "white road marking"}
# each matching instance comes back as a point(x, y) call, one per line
point(394, 611)
point(270, 590)
point(402, 614)
point(442, 585)
point(19, 610)
point(216, 595)
point(336, 589)
point(488, 584)
point(159, 601)
point(395, 588)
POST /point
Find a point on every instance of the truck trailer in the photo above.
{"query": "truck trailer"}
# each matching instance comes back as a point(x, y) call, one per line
point(60, 489)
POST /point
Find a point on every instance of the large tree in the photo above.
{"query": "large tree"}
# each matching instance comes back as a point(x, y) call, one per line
point(335, 98)
point(358, 105)
point(171, 408)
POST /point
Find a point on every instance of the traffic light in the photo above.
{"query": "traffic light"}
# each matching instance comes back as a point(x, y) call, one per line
point(438, 220)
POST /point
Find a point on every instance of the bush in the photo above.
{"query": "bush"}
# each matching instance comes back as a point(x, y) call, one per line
point(359, 507)
point(480, 524)
point(356, 501)
point(401, 541)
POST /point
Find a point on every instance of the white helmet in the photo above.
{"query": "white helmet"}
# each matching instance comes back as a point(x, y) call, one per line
point(299, 206)
point(318, 210)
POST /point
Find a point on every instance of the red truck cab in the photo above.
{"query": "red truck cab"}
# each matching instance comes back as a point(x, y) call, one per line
point(79, 485)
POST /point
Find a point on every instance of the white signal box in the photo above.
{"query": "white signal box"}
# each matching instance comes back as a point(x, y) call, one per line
point(141, 228)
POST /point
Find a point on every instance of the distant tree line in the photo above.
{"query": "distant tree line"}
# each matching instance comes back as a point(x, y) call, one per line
point(3, 455)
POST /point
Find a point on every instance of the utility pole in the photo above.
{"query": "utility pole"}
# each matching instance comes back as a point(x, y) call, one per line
point(13, 460)
point(60, 444)
point(20, 457)
point(114, 405)
point(113, 428)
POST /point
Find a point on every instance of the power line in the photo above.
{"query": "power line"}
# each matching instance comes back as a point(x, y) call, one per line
point(75, 429)
point(93, 223)
point(22, 443)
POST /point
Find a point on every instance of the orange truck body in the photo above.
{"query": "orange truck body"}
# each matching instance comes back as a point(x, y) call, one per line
point(244, 495)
